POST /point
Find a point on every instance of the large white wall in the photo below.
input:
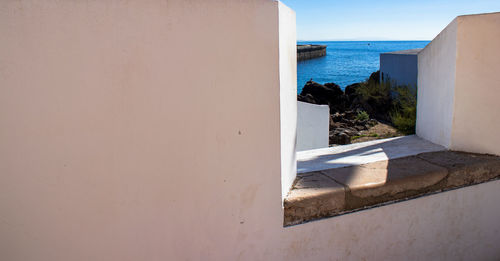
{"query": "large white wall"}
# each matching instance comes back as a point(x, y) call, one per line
point(436, 87)
point(288, 96)
point(313, 126)
point(97, 162)
point(458, 85)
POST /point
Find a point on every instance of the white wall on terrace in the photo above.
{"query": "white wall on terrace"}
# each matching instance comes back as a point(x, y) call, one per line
point(98, 163)
point(288, 96)
point(476, 122)
point(458, 86)
point(436, 87)
point(313, 124)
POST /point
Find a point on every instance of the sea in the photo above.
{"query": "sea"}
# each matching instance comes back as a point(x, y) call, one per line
point(348, 62)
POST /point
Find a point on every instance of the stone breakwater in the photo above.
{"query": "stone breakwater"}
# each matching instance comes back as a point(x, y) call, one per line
point(305, 52)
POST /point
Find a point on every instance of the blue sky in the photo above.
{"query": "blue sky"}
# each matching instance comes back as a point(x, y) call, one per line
point(380, 19)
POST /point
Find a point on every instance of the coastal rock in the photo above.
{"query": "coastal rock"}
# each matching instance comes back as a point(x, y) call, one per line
point(340, 138)
point(306, 98)
point(375, 77)
point(330, 94)
point(351, 92)
point(372, 122)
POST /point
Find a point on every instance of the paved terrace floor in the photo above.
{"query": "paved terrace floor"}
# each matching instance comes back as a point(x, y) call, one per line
point(362, 153)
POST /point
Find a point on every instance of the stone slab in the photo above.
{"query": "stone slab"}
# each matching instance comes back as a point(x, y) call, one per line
point(465, 168)
point(388, 180)
point(313, 196)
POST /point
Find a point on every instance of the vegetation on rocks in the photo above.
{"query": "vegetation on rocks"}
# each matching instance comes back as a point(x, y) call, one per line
point(394, 104)
point(404, 110)
point(362, 116)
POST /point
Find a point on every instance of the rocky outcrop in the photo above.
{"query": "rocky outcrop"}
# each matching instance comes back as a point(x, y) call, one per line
point(329, 94)
point(344, 126)
point(345, 106)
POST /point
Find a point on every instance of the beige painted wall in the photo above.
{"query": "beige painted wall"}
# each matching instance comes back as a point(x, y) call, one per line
point(138, 130)
point(459, 87)
point(477, 96)
point(99, 161)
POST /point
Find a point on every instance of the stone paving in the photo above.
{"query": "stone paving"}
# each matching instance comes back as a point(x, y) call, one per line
point(331, 192)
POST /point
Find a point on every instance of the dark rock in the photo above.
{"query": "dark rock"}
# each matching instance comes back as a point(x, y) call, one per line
point(329, 94)
point(351, 89)
point(350, 114)
point(360, 127)
point(372, 122)
point(306, 98)
point(352, 132)
point(361, 122)
point(339, 138)
point(337, 117)
point(375, 77)
point(346, 121)
point(337, 125)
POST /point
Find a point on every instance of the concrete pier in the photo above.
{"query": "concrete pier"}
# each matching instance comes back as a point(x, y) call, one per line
point(305, 52)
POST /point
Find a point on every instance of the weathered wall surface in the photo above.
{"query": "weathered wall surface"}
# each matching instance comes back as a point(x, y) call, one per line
point(436, 87)
point(402, 69)
point(477, 93)
point(313, 123)
point(98, 163)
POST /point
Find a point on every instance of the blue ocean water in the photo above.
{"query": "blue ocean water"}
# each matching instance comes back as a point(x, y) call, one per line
point(348, 62)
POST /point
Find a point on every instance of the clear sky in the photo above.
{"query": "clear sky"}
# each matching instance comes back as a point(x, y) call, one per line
point(380, 19)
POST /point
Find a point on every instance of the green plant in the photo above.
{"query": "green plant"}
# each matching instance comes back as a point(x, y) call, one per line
point(378, 93)
point(404, 111)
point(388, 102)
point(373, 135)
point(375, 98)
point(362, 116)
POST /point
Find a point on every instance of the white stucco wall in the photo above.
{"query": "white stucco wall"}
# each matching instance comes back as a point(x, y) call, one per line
point(458, 86)
point(288, 96)
point(402, 69)
point(313, 124)
point(99, 163)
point(436, 87)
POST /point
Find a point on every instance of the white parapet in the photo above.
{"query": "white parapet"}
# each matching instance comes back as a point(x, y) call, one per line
point(313, 123)
point(288, 95)
point(458, 90)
